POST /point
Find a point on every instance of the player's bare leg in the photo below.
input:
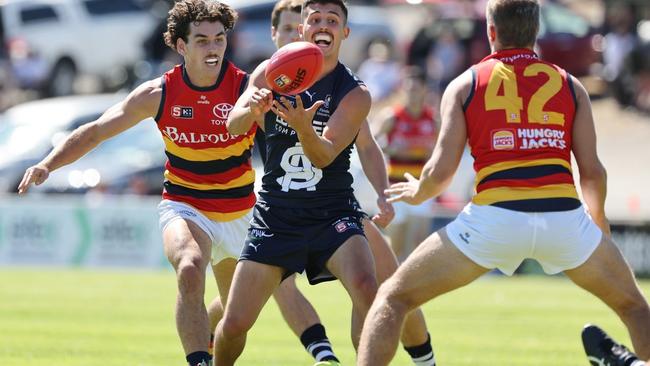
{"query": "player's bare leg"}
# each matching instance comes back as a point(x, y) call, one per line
point(353, 265)
point(223, 273)
point(415, 329)
point(607, 275)
point(188, 249)
point(303, 320)
point(436, 267)
point(295, 308)
point(397, 232)
point(415, 337)
point(252, 286)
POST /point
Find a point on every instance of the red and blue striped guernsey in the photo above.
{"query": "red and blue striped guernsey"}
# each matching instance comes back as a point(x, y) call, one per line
point(519, 119)
point(207, 167)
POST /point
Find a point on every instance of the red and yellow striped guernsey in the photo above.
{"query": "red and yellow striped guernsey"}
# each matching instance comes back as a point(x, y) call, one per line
point(207, 167)
point(416, 136)
point(519, 119)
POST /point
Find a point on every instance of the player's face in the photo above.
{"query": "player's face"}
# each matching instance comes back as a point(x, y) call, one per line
point(205, 46)
point(324, 25)
point(287, 30)
point(415, 91)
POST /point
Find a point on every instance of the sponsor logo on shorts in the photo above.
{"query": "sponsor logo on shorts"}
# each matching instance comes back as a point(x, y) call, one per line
point(254, 246)
point(464, 237)
point(503, 140)
point(187, 213)
point(344, 225)
point(260, 233)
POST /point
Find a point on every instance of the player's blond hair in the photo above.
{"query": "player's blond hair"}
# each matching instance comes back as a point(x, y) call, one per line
point(516, 21)
point(294, 6)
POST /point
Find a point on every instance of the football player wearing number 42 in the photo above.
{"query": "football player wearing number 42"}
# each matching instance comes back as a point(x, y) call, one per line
point(523, 118)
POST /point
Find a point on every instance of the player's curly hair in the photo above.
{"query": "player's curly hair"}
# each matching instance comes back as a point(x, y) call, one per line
point(186, 12)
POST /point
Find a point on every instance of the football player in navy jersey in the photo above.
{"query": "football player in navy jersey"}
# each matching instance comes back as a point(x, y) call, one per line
point(306, 217)
point(295, 308)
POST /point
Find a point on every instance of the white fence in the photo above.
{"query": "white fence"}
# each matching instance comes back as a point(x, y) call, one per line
point(122, 231)
point(80, 231)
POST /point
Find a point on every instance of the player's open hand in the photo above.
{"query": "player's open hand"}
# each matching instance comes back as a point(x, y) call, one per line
point(296, 115)
point(405, 191)
point(36, 174)
point(260, 101)
point(386, 213)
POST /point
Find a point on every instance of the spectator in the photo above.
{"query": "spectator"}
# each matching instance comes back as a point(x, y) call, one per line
point(410, 133)
point(380, 71)
point(620, 39)
point(446, 59)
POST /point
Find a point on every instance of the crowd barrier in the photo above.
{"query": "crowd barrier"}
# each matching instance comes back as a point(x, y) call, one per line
point(122, 231)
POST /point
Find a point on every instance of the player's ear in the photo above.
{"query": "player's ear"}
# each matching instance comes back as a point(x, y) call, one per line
point(274, 33)
point(181, 47)
point(491, 32)
point(346, 32)
point(301, 28)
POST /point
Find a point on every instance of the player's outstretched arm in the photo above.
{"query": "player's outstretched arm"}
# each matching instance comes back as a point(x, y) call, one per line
point(374, 166)
point(141, 103)
point(251, 106)
point(593, 176)
point(440, 168)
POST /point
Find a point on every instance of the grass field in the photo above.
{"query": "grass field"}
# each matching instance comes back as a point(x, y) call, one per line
point(125, 318)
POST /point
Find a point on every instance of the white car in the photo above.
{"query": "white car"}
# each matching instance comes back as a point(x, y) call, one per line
point(52, 42)
point(28, 131)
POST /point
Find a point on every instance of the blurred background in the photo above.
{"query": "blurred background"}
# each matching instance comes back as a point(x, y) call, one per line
point(63, 62)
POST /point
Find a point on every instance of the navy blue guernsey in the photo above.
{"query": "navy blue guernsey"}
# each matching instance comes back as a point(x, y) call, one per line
point(290, 179)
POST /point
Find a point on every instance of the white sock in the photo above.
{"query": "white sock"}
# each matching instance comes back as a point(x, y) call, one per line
point(426, 360)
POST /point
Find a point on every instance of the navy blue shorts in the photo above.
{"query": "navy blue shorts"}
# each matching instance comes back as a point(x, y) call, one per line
point(300, 239)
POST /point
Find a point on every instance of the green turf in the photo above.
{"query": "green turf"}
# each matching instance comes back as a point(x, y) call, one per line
point(125, 318)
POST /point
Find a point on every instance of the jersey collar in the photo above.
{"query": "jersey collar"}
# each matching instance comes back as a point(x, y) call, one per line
point(222, 73)
point(512, 54)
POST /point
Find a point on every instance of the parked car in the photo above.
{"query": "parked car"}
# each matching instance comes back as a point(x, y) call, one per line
point(565, 38)
point(28, 131)
point(137, 149)
point(53, 42)
point(250, 41)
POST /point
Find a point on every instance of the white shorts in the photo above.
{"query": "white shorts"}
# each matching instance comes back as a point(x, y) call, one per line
point(227, 237)
point(494, 237)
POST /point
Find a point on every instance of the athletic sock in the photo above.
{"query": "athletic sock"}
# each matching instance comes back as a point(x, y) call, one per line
point(422, 355)
point(211, 345)
point(200, 358)
point(315, 341)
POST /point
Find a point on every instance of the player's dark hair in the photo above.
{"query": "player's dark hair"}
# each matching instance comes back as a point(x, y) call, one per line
point(516, 21)
point(341, 3)
point(294, 6)
point(186, 12)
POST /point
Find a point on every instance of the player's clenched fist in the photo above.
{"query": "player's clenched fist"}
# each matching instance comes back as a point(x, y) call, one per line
point(36, 174)
point(260, 101)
